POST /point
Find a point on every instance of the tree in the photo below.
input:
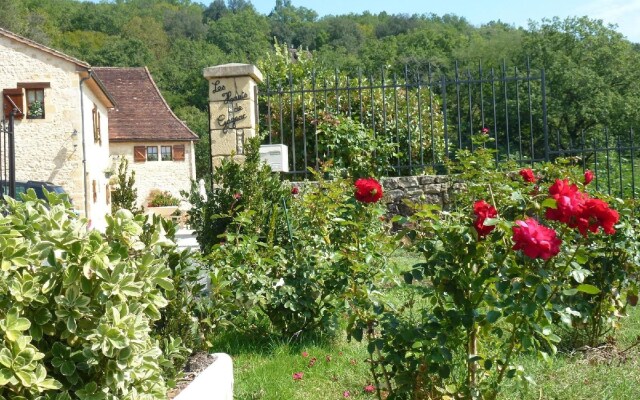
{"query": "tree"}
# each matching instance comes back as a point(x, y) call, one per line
point(216, 10)
point(125, 195)
point(592, 75)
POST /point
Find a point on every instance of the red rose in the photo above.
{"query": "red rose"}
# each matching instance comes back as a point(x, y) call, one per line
point(588, 177)
point(597, 214)
point(535, 240)
point(485, 131)
point(368, 190)
point(482, 211)
point(569, 203)
point(527, 175)
point(295, 190)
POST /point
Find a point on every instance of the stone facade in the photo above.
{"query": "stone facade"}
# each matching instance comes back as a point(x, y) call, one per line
point(53, 148)
point(169, 176)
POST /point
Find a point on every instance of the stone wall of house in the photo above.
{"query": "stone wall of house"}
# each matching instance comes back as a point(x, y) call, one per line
point(47, 149)
point(173, 176)
point(418, 189)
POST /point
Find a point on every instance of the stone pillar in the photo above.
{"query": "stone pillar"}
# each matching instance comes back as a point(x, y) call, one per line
point(233, 108)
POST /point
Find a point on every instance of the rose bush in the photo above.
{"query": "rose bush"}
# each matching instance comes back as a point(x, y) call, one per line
point(502, 276)
point(331, 250)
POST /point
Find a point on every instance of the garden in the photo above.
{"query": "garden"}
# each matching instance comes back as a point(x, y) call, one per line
point(521, 286)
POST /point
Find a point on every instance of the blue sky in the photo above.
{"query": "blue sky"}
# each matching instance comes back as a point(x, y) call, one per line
point(624, 13)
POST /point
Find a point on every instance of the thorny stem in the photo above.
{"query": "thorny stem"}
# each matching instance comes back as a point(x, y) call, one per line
point(373, 366)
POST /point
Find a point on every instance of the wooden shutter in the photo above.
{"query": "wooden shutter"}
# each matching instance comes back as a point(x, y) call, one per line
point(178, 152)
point(97, 138)
point(94, 184)
point(13, 98)
point(139, 153)
point(107, 190)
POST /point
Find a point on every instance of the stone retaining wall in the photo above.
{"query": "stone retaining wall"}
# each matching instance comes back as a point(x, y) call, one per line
point(432, 189)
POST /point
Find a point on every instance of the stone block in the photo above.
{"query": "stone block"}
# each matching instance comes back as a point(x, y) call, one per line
point(233, 69)
point(394, 195)
point(408, 181)
point(229, 142)
point(238, 115)
point(231, 90)
point(390, 183)
point(427, 179)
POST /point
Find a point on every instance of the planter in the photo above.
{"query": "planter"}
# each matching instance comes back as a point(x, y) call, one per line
point(214, 383)
point(164, 212)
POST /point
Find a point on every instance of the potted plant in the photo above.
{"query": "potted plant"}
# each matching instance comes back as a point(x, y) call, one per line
point(162, 203)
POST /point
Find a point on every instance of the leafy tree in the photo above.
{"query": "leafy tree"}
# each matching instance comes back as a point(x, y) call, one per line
point(592, 74)
point(216, 10)
point(198, 121)
point(243, 36)
point(125, 195)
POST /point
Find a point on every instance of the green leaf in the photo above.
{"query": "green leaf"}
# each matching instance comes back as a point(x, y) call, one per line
point(5, 376)
point(589, 289)
point(550, 203)
point(493, 315)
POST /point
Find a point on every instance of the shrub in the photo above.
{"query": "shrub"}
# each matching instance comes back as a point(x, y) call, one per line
point(353, 148)
point(159, 198)
point(332, 249)
point(124, 195)
point(77, 307)
point(250, 185)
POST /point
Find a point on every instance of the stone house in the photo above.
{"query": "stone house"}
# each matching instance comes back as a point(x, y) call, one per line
point(62, 121)
point(144, 130)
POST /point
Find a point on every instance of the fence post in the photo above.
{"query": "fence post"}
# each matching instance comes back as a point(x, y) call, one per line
point(12, 155)
point(544, 115)
point(233, 109)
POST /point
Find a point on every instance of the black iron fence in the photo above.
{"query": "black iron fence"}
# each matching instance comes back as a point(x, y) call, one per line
point(7, 157)
point(429, 117)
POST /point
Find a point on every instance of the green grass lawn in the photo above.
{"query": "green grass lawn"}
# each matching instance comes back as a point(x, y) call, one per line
point(264, 367)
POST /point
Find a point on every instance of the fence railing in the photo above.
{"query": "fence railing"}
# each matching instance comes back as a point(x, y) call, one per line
point(429, 117)
point(7, 157)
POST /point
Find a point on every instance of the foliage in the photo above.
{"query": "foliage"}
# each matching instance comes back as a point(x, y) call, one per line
point(351, 147)
point(301, 94)
point(124, 195)
point(332, 250)
point(182, 325)
point(158, 198)
point(77, 306)
point(484, 301)
point(250, 185)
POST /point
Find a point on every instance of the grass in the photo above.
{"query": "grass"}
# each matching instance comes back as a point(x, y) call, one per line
point(264, 367)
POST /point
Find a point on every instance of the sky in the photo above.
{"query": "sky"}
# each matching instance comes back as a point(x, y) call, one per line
point(624, 13)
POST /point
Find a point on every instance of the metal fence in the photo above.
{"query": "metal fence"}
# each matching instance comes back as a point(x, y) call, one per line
point(429, 117)
point(7, 157)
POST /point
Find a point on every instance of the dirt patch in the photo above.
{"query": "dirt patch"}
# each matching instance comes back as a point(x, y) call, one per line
point(197, 363)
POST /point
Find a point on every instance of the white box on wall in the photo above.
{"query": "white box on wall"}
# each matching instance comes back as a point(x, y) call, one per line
point(276, 156)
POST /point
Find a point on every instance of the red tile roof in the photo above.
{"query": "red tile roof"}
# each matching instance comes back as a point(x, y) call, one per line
point(142, 113)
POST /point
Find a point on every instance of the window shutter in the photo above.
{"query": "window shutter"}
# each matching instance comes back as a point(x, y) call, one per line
point(139, 153)
point(178, 152)
point(94, 184)
point(13, 98)
point(108, 193)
